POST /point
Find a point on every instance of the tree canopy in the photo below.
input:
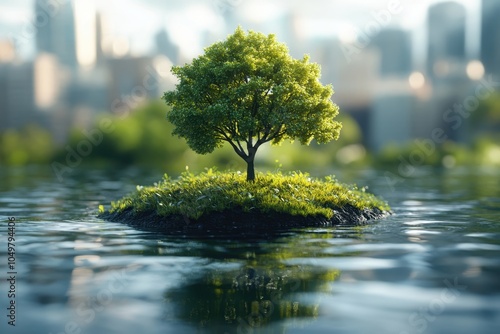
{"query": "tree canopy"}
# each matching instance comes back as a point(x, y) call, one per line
point(247, 91)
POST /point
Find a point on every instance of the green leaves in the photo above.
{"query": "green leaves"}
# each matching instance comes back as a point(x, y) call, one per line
point(248, 90)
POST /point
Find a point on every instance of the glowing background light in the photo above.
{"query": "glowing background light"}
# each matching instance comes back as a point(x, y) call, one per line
point(475, 70)
point(416, 80)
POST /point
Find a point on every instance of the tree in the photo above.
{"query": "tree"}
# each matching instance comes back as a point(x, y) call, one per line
point(247, 91)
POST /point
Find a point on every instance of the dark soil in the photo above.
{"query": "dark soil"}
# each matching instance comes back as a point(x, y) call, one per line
point(238, 222)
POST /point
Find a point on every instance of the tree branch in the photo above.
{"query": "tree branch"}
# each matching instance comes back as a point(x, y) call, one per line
point(237, 148)
point(278, 133)
point(255, 104)
point(232, 132)
point(266, 135)
point(250, 139)
point(209, 99)
point(241, 147)
point(288, 99)
point(267, 91)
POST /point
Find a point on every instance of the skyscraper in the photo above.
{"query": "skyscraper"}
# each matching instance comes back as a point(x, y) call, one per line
point(166, 47)
point(100, 32)
point(394, 46)
point(55, 32)
point(133, 81)
point(490, 36)
point(17, 95)
point(446, 35)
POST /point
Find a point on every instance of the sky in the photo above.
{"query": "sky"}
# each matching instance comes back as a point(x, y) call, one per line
point(190, 21)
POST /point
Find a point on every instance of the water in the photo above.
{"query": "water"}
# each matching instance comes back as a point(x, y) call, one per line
point(434, 267)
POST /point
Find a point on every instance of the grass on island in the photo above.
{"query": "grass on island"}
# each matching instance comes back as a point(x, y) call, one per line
point(197, 196)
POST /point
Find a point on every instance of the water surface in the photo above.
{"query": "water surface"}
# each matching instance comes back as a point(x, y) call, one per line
point(433, 267)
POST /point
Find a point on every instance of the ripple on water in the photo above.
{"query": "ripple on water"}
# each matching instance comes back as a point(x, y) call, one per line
point(425, 222)
point(400, 308)
point(400, 248)
point(420, 232)
point(345, 263)
point(478, 247)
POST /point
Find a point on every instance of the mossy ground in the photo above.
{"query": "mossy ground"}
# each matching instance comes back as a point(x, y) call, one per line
point(223, 200)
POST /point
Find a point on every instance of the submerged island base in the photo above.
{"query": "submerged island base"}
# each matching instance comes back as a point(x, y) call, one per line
point(225, 203)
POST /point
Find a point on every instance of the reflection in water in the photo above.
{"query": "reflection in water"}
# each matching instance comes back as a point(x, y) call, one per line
point(250, 298)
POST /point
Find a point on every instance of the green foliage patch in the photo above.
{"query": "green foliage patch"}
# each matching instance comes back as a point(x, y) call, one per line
point(297, 194)
point(29, 145)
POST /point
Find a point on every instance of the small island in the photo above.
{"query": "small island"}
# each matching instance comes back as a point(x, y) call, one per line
point(225, 202)
point(247, 91)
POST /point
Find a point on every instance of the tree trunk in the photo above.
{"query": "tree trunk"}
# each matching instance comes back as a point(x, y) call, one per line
point(250, 169)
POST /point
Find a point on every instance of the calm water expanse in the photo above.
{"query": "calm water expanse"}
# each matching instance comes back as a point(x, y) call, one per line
point(433, 267)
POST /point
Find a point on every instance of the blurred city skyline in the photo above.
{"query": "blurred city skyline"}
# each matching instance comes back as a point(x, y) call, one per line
point(189, 21)
point(398, 65)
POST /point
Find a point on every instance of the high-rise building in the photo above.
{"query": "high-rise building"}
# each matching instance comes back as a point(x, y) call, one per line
point(101, 32)
point(17, 95)
point(292, 34)
point(4, 114)
point(395, 50)
point(391, 111)
point(166, 47)
point(446, 36)
point(132, 81)
point(55, 32)
point(27, 89)
point(490, 36)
